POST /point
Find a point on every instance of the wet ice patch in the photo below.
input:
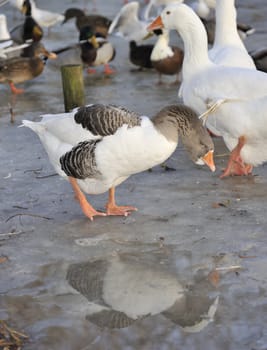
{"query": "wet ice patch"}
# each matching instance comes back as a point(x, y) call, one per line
point(91, 241)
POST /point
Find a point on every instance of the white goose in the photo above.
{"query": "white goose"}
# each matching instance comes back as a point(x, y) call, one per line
point(228, 48)
point(99, 146)
point(45, 18)
point(202, 7)
point(128, 24)
point(158, 4)
point(237, 95)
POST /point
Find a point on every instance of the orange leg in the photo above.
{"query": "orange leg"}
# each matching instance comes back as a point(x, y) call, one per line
point(114, 209)
point(108, 70)
point(91, 71)
point(87, 209)
point(236, 165)
point(15, 90)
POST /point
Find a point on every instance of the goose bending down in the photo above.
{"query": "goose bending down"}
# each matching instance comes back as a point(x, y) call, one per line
point(228, 48)
point(166, 59)
point(235, 108)
point(97, 147)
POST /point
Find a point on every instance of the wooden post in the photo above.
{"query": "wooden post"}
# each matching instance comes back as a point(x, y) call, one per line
point(73, 86)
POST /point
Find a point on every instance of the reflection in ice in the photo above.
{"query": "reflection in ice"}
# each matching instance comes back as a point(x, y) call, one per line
point(128, 289)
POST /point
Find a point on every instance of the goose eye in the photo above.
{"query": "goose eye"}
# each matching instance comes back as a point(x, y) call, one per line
point(168, 12)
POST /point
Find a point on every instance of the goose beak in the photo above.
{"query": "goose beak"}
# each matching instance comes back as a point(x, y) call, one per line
point(208, 160)
point(156, 24)
point(94, 42)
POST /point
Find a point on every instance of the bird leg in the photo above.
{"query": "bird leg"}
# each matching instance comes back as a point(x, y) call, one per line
point(87, 209)
point(108, 70)
point(236, 165)
point(91, 71)
point(114, 209)
point(15, 90)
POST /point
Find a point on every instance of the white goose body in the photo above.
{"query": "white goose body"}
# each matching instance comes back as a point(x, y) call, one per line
point(137, 149)
point(45, 18)
point(127, 23)
point(100, 146)
point(243, 113)
point(228, 48)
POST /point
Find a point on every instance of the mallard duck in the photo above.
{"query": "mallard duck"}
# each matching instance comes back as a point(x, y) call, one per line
point(44, 18)
point(97, 147)
point(99, 24)
point(166, 59)
point(128, 24)
point(235, 109)
point(228, 48)
point(92, 50)
point(20, 69)
point(139, 55)
point(30, 30)
point(96, 50)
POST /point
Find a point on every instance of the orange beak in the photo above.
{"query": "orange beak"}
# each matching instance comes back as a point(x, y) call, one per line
point(208, 160)
point(156, 24)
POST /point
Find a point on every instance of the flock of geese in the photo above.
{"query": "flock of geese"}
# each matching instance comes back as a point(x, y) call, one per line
point(97, 147)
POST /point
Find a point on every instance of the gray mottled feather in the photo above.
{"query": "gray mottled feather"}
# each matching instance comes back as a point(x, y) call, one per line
point(88, 279)
point(80, 161)
point(110, 319)
point(105, 120)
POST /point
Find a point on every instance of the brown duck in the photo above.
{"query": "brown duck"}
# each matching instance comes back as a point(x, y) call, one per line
point(26, 67)
point(100, 24)
point(166, 59)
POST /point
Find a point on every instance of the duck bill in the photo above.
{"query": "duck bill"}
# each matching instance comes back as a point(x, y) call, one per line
point(94, 42)
point(156, 24)
point(52, 55)
point(149, 35)
point(208, 160)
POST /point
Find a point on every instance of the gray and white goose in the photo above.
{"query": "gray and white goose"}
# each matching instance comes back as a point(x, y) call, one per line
point(98, 146)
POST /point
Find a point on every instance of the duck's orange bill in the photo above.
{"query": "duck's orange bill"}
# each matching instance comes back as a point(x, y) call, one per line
point(208, 160)
point(156, 24)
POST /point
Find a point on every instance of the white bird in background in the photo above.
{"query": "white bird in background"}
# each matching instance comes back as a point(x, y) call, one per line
point(45, 18)
point(4, 32)
point(228, 48)
point(128, 24)
point(233, 99)
point(17, 4)
point(158, 4)
point(203, 7)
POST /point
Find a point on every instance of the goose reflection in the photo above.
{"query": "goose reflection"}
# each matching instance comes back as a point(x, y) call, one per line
point(127, 288)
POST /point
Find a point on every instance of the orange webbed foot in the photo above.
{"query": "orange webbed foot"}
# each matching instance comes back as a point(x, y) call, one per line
point(119, 210)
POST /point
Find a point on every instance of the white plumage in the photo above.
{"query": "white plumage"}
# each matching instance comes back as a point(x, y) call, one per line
point(238, 95)
point(228, 48)
point(98, 147)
